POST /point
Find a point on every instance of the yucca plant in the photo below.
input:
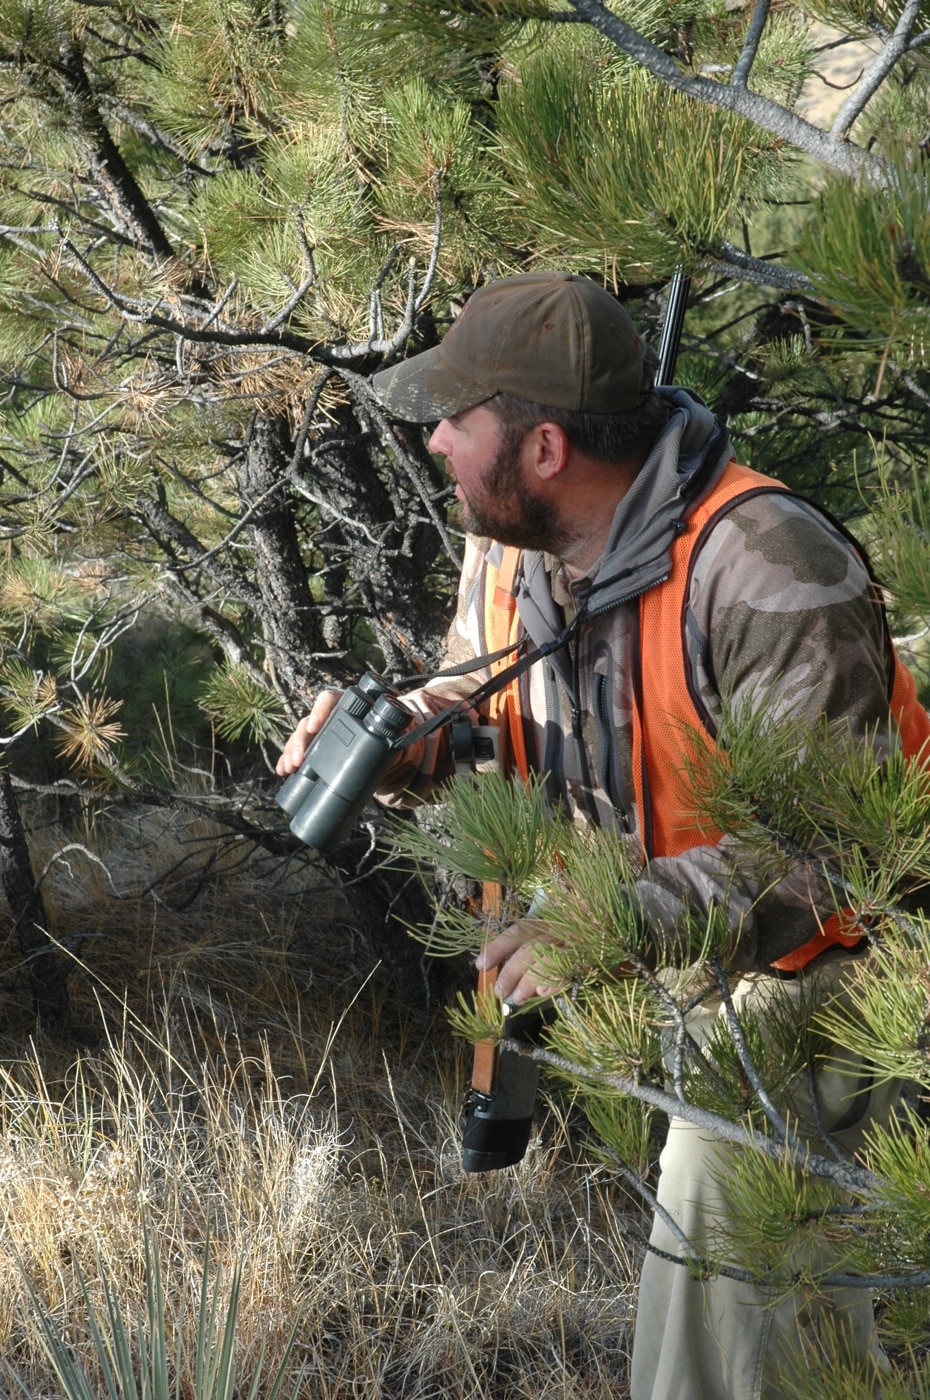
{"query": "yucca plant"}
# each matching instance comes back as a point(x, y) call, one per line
point(144, 1357)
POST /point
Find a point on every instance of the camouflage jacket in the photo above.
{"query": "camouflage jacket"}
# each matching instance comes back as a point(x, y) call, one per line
point(780, 604)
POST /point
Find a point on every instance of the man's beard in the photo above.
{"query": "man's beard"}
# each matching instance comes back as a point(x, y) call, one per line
point(512, 514)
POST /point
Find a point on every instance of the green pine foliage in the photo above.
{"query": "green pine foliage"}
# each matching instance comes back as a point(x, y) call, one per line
point(867, 253)
point(238, 704)
point(491, 833)
point(661, 183)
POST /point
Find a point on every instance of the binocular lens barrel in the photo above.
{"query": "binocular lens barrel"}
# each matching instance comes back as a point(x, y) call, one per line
point(344, 764)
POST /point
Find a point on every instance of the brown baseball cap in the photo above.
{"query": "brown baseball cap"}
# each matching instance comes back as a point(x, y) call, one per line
point(549, 337)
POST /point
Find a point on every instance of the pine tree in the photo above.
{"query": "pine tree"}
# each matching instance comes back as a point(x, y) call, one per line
point(221, 215)
point(201, 262)
point(637, 138)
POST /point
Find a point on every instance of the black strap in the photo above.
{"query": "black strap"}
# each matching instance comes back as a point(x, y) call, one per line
point(490, 687)
point(462, 669)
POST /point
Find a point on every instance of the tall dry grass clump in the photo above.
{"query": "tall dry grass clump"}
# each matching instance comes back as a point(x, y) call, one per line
point(245, 1180)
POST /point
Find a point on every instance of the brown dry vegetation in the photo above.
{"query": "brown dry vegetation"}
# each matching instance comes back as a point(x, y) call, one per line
point(244, 1075)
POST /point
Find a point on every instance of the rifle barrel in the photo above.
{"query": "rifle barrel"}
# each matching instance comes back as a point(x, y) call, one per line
point(670, 339)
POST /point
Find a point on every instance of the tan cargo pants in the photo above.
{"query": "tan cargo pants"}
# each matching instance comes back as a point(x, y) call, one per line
point(720, 1339)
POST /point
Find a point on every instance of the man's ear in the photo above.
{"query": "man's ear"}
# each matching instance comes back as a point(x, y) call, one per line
point(549, 450)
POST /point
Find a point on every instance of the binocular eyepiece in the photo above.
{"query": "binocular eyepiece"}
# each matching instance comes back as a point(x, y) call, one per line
point(345, 763)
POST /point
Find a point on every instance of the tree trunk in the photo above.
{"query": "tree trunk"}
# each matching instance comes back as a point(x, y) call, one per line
point(46, 976)
point(288, 613)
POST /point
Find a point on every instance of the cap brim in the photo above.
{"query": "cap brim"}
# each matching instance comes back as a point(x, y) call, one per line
point(424, 389)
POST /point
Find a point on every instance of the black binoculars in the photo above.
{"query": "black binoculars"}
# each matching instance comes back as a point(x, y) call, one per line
point(345, 763)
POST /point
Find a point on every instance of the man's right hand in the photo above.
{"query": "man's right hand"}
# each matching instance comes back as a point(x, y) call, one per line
point(295, 750)
point(519, 956)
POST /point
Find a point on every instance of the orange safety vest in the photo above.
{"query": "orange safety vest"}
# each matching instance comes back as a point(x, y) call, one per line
point(664, 713)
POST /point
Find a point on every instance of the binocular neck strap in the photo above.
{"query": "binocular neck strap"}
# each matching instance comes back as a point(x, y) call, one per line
point(490, 687)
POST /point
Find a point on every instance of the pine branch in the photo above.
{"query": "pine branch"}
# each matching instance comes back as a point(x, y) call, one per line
point(728, 259)
point(700, 1265)
point(849, 1178)
point(100, 638)
point(866, 88)
point(777, 1120)
point(273, 333)
point(136, 311)
point(170, 531)
point(361, 386)
point(111, 170)
point(842, 156)
point(866, 912)
point(159, 139)
point(746, 59)
point(707, 1266)
point(392, 345)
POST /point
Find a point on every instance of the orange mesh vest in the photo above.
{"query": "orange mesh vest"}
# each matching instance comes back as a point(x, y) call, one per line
point(666, 722)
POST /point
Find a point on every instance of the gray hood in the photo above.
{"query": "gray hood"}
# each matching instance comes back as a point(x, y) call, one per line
point(685, 462)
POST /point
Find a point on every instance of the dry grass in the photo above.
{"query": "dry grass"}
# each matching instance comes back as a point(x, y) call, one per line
point(243, 1080)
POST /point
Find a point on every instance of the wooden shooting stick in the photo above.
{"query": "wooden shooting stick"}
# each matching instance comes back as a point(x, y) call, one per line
point(487, 1052)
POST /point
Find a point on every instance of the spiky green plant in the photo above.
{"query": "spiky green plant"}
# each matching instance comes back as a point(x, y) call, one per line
point(490, 831)
point(144, 1358)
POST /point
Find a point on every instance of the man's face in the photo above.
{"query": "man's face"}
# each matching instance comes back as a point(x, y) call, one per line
point(487, 464)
